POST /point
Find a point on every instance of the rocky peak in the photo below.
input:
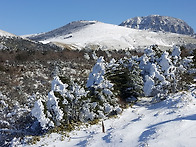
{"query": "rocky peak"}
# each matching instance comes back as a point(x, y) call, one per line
point(159, 23)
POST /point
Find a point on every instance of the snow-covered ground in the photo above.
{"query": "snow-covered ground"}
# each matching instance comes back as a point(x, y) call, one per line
point(168, 123)
point(83, 34)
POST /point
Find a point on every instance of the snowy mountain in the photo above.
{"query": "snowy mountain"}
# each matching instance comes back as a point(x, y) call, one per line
point(62, 31)
point(6, 34)
point(85, 34)
point(159, 23)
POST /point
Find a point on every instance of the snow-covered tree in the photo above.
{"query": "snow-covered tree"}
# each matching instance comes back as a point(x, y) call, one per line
point(96, 77)
point(126, 77)
point(163, 73)
point(101, 88)
point(176, 55)
point(38, 113)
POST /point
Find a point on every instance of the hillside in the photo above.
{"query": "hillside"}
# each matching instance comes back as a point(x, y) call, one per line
point(6, 34)
point(159, 23)
point(98, 35)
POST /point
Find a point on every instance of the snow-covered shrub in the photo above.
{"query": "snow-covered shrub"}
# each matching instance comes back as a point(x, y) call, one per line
point(62, 106)
point(96, 77)
point(176, 55)
point(65, 101)
point(164, 73)
point(153, 69)
point(126, 77)
point(38, 112)
point(185, 71)
point(101, 89)
point(68, 102)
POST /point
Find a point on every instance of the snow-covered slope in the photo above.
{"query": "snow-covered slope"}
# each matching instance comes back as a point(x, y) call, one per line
point(159, 23)
point(168, 123)
point(83, 34)
point(3, 33)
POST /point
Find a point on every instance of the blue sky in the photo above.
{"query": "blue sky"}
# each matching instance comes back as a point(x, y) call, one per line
point(34, 16)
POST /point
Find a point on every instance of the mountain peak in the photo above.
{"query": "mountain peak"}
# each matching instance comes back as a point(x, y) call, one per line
point(64, 30)
point(159, 23)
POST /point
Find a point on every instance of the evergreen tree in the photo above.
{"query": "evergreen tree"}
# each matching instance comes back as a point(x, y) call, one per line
point(127, 80)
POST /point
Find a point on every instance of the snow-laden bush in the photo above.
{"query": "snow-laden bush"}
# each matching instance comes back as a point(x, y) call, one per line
point(63, 105)
point(126, 77)
point(115, 82)
point(164, 73)
point(38, 112)
point(69, 102)
point(65, 101)
point(101, 89)
point(154, 70)
point(112, 84)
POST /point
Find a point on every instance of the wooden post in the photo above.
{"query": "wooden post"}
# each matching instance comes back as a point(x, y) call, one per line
point(103, 127)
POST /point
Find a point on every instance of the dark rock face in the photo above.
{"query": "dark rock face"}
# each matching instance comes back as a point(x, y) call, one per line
point(159, 23)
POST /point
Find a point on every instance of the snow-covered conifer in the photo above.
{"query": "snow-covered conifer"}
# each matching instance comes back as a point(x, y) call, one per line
point(167, 66)
point(176, 55)
point(97, 74)
point(38, 113)
point(54, 108)
point(126, 77)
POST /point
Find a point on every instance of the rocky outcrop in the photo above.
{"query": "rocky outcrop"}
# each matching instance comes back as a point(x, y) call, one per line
point(159, 23)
